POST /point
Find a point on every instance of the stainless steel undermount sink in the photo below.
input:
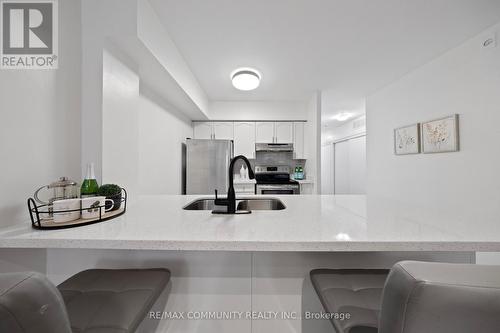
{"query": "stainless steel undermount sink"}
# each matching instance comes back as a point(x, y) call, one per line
point(261, 204)
point(241, 204)
point(201, 204)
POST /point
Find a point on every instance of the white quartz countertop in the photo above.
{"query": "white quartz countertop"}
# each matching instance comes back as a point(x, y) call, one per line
point(239, 181)
point(309, 223)
point(304, 181)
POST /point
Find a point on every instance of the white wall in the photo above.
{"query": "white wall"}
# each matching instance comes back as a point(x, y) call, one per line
point(131, 25)
point(162, 132)
point(100, 19)
point(465, 184)
point(312, 141)
point(249, 110)
point(120, 119)
point(327, 169)
point(40, 122)
point(142, 135)
point(156, 38)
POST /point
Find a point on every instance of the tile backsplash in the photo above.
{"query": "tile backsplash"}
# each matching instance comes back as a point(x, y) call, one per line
point(274, 158)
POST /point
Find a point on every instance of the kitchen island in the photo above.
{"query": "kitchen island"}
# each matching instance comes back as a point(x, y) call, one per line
point(309, 223)
point(255, 262)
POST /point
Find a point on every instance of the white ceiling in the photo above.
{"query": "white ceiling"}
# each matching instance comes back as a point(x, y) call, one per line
point(329, 125)
point(349, 48)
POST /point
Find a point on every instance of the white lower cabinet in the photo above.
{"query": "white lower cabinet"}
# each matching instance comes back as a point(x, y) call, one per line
point(244, 139)
point(306, 188)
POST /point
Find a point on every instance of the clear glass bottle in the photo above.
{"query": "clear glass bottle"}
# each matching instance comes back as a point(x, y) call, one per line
point(89, 186)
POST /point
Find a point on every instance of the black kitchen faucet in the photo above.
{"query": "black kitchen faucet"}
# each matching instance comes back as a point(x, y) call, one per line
point(230, 201)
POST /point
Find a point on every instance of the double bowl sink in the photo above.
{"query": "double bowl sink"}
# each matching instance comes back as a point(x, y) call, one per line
point(241, 204)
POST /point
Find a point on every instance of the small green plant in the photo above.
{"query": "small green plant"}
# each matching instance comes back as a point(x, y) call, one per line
point(109, 190)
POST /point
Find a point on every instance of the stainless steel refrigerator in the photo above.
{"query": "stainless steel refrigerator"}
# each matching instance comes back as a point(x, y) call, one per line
point(207, 165)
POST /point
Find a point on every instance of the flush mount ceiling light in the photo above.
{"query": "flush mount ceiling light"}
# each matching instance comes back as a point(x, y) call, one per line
point(342, 116)
point(245, 78)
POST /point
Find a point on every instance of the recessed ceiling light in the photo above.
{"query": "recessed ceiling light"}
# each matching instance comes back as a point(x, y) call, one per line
point(245, 78)
point(342, 116)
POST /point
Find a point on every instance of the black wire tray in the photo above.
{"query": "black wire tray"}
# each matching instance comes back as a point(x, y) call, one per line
point(39, 222)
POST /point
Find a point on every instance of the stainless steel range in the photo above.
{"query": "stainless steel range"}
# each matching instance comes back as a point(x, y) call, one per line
point(275, 180)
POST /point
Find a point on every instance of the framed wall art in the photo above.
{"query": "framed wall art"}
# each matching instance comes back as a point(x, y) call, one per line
point(407, 140)
point(440, 135)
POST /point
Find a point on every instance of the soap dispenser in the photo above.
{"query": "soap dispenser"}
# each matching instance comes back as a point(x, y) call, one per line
point(246, 173)
point(242, 172)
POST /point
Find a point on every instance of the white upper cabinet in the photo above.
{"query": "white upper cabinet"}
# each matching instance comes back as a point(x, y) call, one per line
point(223, 131)
point(246, 133)
point(274, 132)
point(212, 131)
point(203, 130)
point(244, 139)
point(298, 139)
point(264, 132)
point(283, 132)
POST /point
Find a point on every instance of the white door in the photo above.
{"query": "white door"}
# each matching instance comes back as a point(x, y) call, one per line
point(357, 165)
point(350, 166)
point(203, 130)
point(298, 139)
point(264, 132)
point(223, 131)
point(341, 159)
point(244, 139)
point(283, 132)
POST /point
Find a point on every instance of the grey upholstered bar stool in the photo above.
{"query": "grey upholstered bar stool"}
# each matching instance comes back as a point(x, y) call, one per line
point(92, 301)
point(356, 292)
point(417, 297)
point(441, 298)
